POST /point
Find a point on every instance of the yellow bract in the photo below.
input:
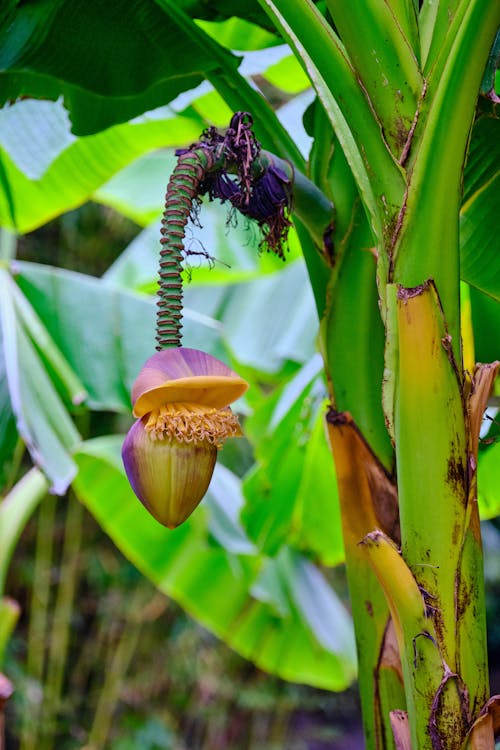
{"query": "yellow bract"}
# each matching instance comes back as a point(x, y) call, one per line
point(214, 391)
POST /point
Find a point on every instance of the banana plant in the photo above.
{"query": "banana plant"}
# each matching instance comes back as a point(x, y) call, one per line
point(397, 92)
point(388, 233)
point(398, 85)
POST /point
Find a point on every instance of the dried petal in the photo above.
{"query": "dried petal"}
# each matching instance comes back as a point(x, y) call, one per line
point(185, 375)
point(169, 477)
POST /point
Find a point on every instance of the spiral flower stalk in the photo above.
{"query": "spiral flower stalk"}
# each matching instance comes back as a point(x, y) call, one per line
point(182, 192)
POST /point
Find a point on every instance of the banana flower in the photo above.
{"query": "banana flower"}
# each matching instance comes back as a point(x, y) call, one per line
point(181, 400)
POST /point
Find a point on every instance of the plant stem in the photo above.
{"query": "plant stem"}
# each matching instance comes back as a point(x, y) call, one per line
point(15, 465)
point(426, 245)
point(181, 193)
point(367, 501)
point(439, 528)
point(115, 670)
point(9, 615)
point(38, 621)
point(61, 622)
point(15, 510)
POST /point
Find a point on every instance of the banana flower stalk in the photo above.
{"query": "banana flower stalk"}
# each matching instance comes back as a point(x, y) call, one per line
point(181, 397)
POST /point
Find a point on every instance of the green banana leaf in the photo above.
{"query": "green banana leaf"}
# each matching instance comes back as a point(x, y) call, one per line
point(281, 613)
point(291, 492)
point(105, 79)
point(479, 242)
point(45, 170)
point(488, 481)
point(41, 416)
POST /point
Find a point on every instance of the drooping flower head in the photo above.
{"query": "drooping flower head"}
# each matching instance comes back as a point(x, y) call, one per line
point(181, 400)
point(181, 397)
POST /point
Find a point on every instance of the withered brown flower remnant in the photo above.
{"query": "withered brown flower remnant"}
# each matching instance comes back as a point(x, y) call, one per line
point(255, 182)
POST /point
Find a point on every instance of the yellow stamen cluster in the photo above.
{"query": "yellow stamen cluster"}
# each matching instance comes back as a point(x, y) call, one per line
point(190, 423)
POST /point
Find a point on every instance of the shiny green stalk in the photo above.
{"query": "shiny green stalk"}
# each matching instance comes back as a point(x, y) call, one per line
point(433, 476)
point(399, 84)
point(15, 510)
point(390, 72)
point(359, 441)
